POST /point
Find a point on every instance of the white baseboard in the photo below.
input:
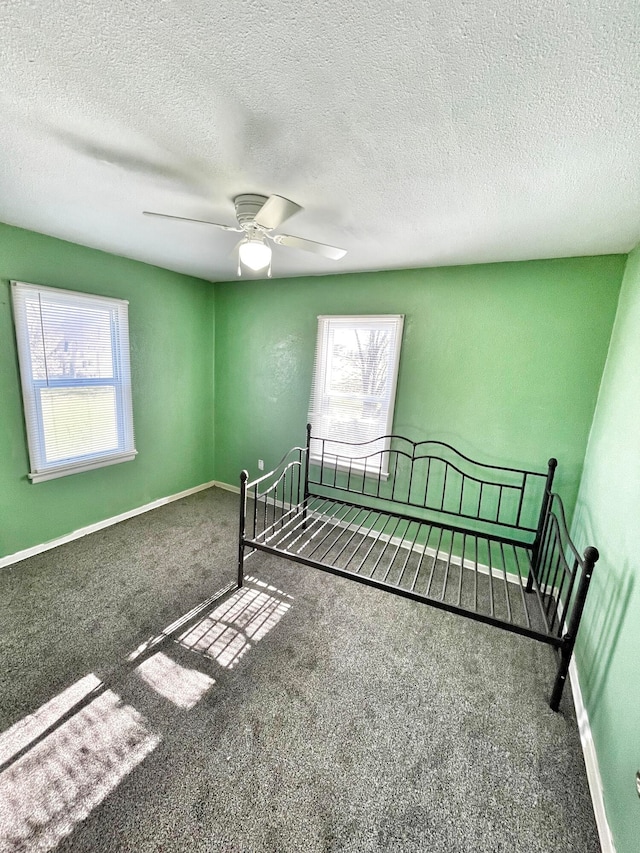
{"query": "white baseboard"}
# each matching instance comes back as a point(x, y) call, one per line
point(226, 486)
point(100, 525)
point(591, 762)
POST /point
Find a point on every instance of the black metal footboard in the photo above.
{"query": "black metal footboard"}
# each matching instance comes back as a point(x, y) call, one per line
point(560, 577)
point(421, 520)
point(271, 501)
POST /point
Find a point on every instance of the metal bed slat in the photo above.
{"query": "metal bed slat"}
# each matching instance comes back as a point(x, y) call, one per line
point(386, 545)
point(304, 527)
point(395, 554)
point(354, 533)
point(445, 580)
point(475, 575)
point(435, 560)
point(346, 530)
point(464, 544)
point(410, 550)
point(363, 539)
point(300, 515)
point(336, 530)
point(271, 527)
point(506, 582)
point(325, 524)
point(490, 575)
point(422, 555)
point(301, 526)
point(371, 547)
point(521, 584)
point(333, 535)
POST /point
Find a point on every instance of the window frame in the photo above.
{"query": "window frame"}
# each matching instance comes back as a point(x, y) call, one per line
point(120, 381)
point(321, 370)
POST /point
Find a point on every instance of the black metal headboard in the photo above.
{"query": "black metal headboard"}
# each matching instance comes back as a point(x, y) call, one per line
point(430, 477)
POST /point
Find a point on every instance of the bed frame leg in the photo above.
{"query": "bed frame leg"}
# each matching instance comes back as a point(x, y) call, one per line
point(244, 476)
point(566, 650)
point(569, 640)
point(241, 567)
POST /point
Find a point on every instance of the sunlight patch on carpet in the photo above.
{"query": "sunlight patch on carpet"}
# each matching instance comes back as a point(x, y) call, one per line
point(231, 629)
point(32, 727)
point(184, 687)
point(70, 771)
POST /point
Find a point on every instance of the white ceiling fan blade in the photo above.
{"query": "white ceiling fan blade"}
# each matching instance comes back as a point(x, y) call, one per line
point(186, 219)
point(275, 211)
point(310, 246)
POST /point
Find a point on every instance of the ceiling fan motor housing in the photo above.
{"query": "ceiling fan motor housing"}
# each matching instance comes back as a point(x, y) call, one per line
point(247, 207)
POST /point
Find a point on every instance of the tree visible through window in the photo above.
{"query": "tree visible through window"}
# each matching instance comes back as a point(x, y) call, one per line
point(354, 382)
point(76, 387)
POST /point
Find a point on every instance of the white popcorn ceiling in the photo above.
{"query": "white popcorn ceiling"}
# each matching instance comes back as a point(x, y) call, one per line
point(413, 133)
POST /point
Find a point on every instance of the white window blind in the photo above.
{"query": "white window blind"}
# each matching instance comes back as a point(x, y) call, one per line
point(354, 385)
point(73, 350)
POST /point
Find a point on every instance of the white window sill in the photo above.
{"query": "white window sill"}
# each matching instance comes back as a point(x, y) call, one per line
point(354, 468)
point(78, 467)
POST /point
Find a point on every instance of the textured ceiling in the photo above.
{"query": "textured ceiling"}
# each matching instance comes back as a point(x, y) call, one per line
point(413, 133)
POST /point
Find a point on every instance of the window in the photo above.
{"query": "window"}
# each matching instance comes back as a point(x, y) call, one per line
point(354, 384)
point(76, 385)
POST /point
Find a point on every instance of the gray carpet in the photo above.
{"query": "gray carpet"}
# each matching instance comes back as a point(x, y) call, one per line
point(303, 713)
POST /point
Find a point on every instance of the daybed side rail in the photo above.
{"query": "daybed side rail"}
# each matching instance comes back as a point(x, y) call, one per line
point(271, 501)
point(430, 476)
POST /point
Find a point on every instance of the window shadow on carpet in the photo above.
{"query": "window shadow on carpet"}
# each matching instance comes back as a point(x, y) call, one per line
point(59, 763)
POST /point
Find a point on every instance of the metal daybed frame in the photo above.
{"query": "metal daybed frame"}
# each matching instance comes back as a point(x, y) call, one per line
point(424, 521)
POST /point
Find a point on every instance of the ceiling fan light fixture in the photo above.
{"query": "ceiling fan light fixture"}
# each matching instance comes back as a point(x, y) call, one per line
point(255, 254)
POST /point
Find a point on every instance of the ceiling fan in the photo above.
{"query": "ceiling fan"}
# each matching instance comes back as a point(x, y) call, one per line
point(257, 217)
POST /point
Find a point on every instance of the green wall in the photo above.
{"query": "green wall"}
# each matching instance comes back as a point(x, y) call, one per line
point(171, 338)
point(503, 361)
point(608, 516)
